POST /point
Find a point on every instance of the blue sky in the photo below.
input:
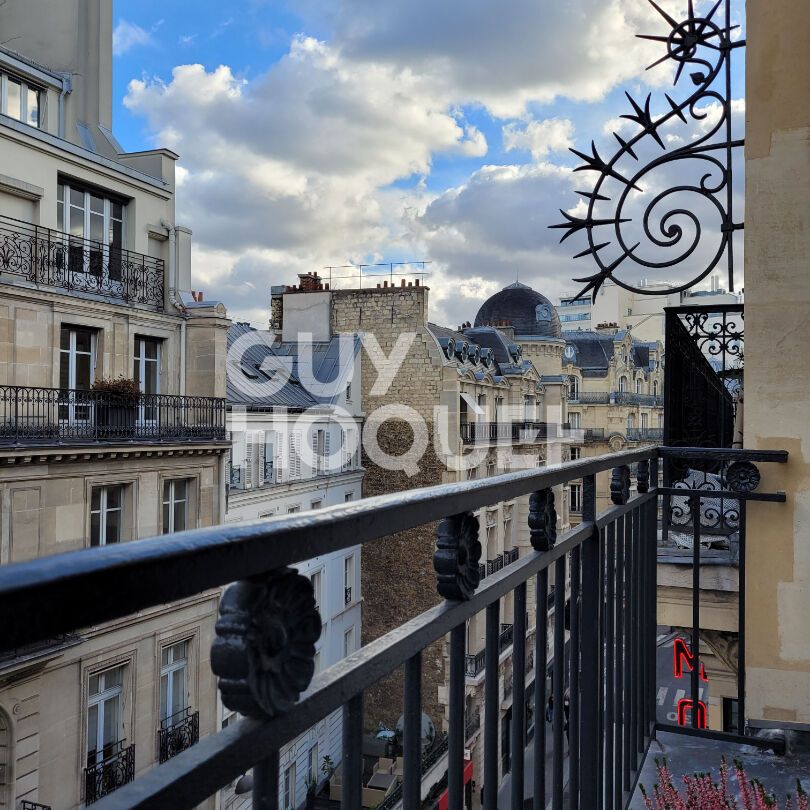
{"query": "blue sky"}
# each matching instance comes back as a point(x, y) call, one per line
point(315, 133)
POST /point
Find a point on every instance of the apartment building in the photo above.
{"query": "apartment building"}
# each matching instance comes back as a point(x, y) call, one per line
point(112, 412)
point(293, 450)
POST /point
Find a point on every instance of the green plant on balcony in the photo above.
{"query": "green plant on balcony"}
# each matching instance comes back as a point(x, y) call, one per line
point(116, 405)
point(702, 792)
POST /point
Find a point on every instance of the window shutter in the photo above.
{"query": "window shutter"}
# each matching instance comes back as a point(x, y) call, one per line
point(249, 459)
point(295, 454)
point(270, 468)
point(260, 457)
point(327, 463)
point(278, 464)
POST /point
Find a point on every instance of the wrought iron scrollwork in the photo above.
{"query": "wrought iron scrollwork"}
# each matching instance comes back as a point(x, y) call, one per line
point(458, 552)
point(742, 476)
point(620, 485)
point(542, 520)
point(666, 221)
point(264, 653)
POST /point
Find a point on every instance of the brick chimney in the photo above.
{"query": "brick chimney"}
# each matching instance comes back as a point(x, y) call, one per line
point(309, 282)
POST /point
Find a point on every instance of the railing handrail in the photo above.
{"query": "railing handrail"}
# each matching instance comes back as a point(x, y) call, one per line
point(90, 393)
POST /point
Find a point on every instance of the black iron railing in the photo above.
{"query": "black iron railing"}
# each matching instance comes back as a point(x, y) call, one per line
point(631, 398)
point(110, 773)
point(52, 416)
point(603, 653)
point(494, 565)
point(347, 595)
point(27, 804)
point(474, 664)
point(54, 259)
point(506, 636)
point(472, 724)
point(513, 432)
point(590, 397)
point(648, 434)
point(593, 434)
point(178, 732)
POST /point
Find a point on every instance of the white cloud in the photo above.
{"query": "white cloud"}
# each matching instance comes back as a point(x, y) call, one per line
point(128, 35)
point(539, 137)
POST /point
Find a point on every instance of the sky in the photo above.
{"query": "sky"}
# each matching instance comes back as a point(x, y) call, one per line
point(317, 133)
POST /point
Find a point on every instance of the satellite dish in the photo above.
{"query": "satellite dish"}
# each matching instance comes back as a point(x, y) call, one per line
point(428, 731)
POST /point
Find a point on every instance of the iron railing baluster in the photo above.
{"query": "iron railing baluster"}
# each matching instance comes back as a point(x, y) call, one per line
point(574, 668)
point(352, 753)
point(627, 686)
point(455, 751)
point(265, 783)
point(491, 706)
point(558, 684)
point(618, 728)
point(540, 666)
point(518, 696)
point(694, 505)
point(412, 744)
point(610, 660)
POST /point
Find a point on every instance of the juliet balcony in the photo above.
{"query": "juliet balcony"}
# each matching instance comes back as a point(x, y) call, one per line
point(64, 263)
point(41, 417)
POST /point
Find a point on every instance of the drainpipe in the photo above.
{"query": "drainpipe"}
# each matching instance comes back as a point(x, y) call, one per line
point(67, 86)
point(175, 301)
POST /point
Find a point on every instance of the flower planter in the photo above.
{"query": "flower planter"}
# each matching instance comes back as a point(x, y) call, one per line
point(116, 418)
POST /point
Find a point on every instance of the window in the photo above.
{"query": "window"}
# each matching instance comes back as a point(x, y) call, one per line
point(77, 361)
point(622, 384)
point(631, 421)
point(317, 583)
point(471, 474)
point(20, 100)
point(575, 502)
point(638, 385)
point(528, 408)
point(317, 661)
point(576, 453)
point(105, 515)
point(491, 467)
point(312, 764)
point(90, 215)
point(175, 505)
point(573, 388)
point(146, 370)
point(348, 392)
point(731, 715)
point(348, 578)
point(293, 508)
point(655, 388)
point(349, 496)
point(498, 408)
point(104, 715)
point(574, 419)
point(348, 642)
point(316, 504)
point(173, 681)
point(507, 525)
point(644, 418)
point(289, 788)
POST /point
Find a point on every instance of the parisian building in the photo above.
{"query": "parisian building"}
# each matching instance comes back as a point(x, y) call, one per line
point(112, 413)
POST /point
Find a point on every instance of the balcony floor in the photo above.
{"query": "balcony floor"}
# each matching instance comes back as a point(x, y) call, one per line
point(686, 755)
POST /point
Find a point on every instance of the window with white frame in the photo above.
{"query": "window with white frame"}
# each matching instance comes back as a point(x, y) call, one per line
point(574, 418)
point(471, 473)
point(348, 642)
point(348, 578)
point(77, 370)
point(316, 504)
point(622, 384)
point(106, 510)
point(316, 578)
point(644, 420)
point(492, 530)
point(576, 453)
point(312, 764)
point(104, 714)
point(20, 100)
point(146, 370)
point(655, 388)
point(575, 497)
point(173, 682)
point(507, 525)
point(289, 788)
point(175, 505)
point(573, 388)
point(349, 496)
point(638, 385)
point(293, 508)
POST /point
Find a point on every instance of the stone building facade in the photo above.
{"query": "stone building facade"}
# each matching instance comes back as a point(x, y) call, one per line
point(95, 287)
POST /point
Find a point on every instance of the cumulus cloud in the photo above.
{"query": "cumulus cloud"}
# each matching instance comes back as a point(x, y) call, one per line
point(539, 137)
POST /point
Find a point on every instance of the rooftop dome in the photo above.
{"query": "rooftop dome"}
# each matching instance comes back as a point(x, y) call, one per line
point(528, 312)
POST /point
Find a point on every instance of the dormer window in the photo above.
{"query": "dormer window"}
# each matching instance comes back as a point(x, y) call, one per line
point(20, 100)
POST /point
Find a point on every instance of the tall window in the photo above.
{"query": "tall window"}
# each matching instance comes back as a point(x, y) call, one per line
point(348, 578)
point(317, 585)
point(348, 642)
point(105, 515)
point(573, 388)
point(638, 385)
point(20, 100)
point(644, 419)
point(175, 505)
point(576, 453)
point(312, 764)
point(574, 419)
point(89, 215)
point(146, 370)
point(173, 681)
point(575, 501)
point(348, 392)
point(622, 384)
point(631, 421)
point(76, 372)
point(655, 388)
point(289, 788)
point(104, 716)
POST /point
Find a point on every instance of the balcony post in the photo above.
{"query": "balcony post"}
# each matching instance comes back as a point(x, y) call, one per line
point(589, 742)
point(491, 705)
point(265, 783)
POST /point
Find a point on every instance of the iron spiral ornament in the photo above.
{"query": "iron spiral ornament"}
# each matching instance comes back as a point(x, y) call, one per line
point(631, 222)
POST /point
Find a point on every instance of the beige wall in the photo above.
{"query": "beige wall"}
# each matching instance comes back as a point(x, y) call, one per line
point(777, 385)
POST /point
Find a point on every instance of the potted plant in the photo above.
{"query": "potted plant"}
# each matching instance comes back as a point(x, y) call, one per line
point(116, 406)
point(327, 769)
point(312, 787)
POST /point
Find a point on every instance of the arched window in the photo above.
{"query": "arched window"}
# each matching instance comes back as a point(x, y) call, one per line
point(622, 384)
point(655, 388)
point(638, 385)
point(573, 388)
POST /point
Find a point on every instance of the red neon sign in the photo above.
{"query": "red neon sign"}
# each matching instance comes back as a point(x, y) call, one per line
point(683, 655)
point(684, 705)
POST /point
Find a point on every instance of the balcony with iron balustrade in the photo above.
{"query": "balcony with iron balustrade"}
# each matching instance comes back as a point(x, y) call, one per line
point(106, 775)
point(482, 433)
point(177, 733)
point(57, 261)
point(44, 417)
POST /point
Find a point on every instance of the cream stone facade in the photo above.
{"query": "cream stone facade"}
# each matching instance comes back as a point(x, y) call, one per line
point(95, 286)
point(777, 386)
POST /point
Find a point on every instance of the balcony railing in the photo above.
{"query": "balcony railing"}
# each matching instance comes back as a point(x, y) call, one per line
point(631, 398)
point(54, 259)
point(236, 479)
point(178, 732)
point(347, 595)
point(593, 434)
point(590, 397)
point(605, 659)
point(506, 636)
point(27, 804)
point(645, 434)
point(474, 664)
point(109, 774)
point(510, 432)
point(54, 416)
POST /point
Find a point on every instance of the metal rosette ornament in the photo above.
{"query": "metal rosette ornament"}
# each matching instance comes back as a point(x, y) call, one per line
point(671, 214)
point(264, 652)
